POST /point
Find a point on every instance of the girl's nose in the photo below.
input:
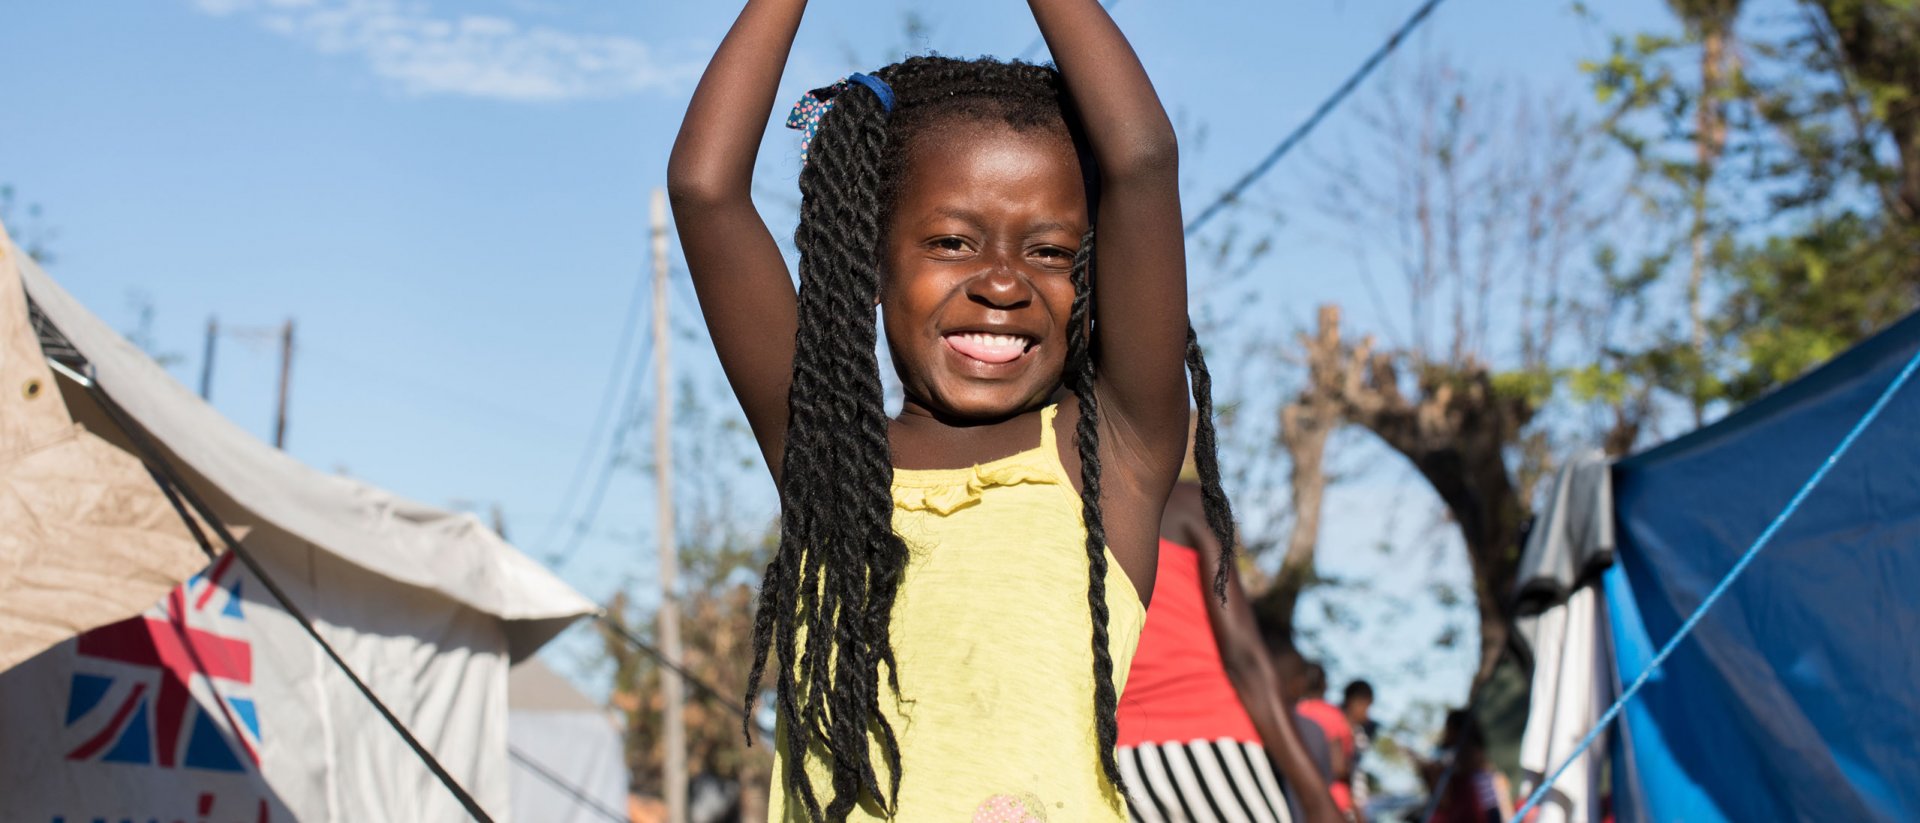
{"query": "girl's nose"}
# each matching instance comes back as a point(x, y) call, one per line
point(1000, 286)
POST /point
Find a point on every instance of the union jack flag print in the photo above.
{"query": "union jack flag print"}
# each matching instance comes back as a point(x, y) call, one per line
point(171, 688)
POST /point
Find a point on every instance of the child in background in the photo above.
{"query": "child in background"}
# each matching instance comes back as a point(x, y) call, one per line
point(1204, 721)
point(1356, 702)
point(1314, 706)
point(958, 590)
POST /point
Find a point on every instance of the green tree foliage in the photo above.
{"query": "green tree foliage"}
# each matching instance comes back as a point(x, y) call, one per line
point(1807, 230)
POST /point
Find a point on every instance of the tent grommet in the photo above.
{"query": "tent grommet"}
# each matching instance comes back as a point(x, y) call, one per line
point(31, 389)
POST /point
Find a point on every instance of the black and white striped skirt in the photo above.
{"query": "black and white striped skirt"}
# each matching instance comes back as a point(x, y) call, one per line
point(1204, 781)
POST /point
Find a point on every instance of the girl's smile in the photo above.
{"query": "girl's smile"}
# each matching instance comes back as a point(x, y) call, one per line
point(978, 285)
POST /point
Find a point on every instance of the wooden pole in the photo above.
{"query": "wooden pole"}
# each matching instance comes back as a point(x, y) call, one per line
point(206, 358)
point(286, 375)
point(673, 691)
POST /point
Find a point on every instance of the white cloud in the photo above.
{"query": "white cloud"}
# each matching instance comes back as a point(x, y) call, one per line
point(470, 55)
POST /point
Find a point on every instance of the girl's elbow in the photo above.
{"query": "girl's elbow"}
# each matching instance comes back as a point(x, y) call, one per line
point(1240, 664)
point(1145, 154)
point(689, 189)
point(694, 183)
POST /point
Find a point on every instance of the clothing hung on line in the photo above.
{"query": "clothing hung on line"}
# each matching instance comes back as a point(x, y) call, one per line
point(1189, 750)
point(993, 640)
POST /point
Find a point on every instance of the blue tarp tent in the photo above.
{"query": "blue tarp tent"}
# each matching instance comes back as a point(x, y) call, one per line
point(1798, 696)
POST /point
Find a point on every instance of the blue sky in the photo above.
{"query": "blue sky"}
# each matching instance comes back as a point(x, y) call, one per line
point(451, 198)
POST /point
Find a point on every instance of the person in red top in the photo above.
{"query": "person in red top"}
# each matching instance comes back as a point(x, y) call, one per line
point(1339, 735)
point(1202, 723)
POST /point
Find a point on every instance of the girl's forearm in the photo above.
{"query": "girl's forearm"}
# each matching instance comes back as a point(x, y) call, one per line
point(1141, 317)
point(713, 157)
point(1128, 129)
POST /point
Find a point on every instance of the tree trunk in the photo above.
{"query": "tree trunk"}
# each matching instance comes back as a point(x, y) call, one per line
point(1709, 139)
point(1473, 482)
point(1456, 431)
point(1305, 426)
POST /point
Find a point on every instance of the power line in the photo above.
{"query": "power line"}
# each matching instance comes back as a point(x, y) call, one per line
point(412, 381)
point(688, 677)
point(607, 395)
point(629, 410)
point(579, 795)
point(1293, 138)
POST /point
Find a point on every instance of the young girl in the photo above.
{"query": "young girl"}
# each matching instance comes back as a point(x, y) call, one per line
point(958, 590)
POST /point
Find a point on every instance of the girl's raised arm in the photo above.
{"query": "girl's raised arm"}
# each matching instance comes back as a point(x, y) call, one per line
point(745, 291)
point(1140, 291)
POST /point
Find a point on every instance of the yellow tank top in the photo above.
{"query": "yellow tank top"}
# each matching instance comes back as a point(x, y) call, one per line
point(992, 635)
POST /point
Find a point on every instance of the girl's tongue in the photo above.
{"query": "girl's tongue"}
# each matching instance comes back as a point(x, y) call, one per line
point(988, 348)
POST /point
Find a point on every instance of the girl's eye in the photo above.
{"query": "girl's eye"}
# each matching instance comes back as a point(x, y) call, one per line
point(950, 244)
point(1054, 257)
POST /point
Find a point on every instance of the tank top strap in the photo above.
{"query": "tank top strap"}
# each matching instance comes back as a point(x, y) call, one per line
point(1048, 453)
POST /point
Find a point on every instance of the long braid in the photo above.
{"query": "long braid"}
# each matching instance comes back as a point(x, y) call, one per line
point(1206, 458)
point(833, 577)
point(1080, 378)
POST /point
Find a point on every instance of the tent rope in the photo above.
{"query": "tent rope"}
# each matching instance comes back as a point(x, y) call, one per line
point(1725, 583)
point(171, 484)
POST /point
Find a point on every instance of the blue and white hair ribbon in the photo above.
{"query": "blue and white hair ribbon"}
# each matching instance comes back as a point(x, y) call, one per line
point(807, 113)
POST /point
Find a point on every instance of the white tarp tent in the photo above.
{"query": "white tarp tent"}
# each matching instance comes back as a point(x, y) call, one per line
point(214, 705)
point(1564, 620)
point(569, 764)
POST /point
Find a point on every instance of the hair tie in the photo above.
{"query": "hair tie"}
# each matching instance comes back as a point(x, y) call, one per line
point(807, 113)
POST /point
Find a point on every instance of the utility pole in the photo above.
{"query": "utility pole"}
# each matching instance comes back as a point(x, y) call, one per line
point(286, 374)
point(206, 358)
point(673, 689)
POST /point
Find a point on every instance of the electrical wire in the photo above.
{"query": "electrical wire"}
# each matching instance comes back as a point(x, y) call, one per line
point(598, 495)
point(579, 795)
point(1233, 193)
point(673, 665)
point(612, 390)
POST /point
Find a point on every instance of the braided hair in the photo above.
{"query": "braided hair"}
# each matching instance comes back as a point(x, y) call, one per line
point(827, 598)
